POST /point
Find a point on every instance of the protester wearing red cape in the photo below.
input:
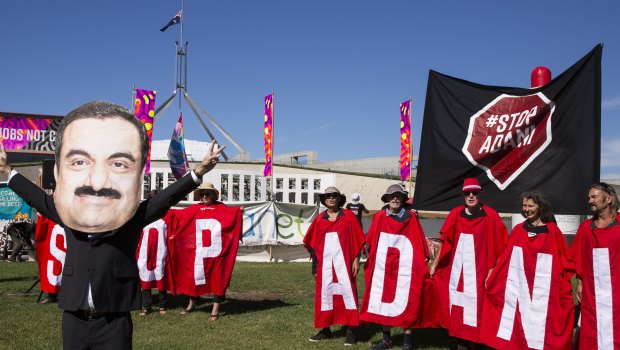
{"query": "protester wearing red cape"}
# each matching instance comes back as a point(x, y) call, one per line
point(596, 252)
point(51, 249)
point(395, 269)
point(334, 240)
point(152, 258)
point(473, 237)
point(221, 228)
point(529, 300)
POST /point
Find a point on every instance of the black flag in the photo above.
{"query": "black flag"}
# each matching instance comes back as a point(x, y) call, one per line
point(513, 140)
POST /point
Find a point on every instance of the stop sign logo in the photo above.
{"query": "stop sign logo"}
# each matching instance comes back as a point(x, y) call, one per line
point(506, 135)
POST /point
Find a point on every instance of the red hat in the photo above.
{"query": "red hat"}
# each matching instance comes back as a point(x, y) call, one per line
point(471, 184)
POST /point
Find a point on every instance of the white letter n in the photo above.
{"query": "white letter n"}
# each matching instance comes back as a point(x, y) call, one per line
point(533, 310)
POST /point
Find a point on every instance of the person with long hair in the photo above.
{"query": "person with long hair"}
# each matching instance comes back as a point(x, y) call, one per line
point(536, 260)
point(596, 252)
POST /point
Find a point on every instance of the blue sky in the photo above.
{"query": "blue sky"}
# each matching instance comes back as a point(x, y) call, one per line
point(339, 68)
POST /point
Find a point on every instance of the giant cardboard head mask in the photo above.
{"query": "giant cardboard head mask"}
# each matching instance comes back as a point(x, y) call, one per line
point(99, 169)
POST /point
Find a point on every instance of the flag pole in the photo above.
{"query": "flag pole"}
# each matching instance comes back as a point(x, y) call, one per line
point(179, 82)
point(182, 20)
point(133, 98)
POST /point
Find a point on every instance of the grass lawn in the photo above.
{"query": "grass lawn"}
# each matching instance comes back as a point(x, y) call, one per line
point(269, 306)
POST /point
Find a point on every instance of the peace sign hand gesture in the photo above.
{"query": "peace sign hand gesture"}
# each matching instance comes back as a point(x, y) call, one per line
point(210, 160)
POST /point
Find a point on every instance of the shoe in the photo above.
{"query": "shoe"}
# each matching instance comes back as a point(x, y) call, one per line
point(214, 317)
point(321, 335)
point(162, 310)
point(47, 300)
point(407, 346)
point(349, 340)
point(382, 345)
point(144, 312)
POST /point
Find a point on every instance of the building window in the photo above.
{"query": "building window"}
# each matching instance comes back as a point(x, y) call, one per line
point(278, 196)
point(268, 189)
point(247, 184)
point(146, 188)
point(304, 184)
point(171, 179)
point(279, 183)
point(316, 201)
point(291, 197)
point(291, 184)
point(224, 187)
point(236, 186)
point(257, 188)
point(159, 181)
point(317, 184)
point(299, 160)
point(304, 198)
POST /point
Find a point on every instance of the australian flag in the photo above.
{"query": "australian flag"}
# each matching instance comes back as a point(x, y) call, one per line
point(176, 152)
point(175, 20)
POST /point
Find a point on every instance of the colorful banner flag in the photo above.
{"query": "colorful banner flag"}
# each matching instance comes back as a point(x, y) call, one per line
point(176, 152)
point(175, 20)
point(512, 139)
point(268, 171)
point(144, 110)
point(405, 140)
point(27, 133)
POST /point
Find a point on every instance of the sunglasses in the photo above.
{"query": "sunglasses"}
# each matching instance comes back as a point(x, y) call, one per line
point(468, 193)
point(333, 195)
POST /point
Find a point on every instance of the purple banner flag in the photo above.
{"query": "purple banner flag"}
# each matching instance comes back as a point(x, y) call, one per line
point(268, 134)
point(144, 110)
point(405, 140)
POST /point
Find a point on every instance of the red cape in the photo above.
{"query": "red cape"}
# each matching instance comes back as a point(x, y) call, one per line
point(345, 239)
point(152, 256)
point(487, 235)
point(600, 305)
point(395, 272)
point(219, 229)
point(547, 311)
point(51, 249)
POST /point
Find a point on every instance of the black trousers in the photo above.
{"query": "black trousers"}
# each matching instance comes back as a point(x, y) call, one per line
point(112, 331)
point(147, 299)
point(216, 298)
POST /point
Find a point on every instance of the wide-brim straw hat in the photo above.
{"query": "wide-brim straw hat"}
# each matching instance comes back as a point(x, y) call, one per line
point(207, 186)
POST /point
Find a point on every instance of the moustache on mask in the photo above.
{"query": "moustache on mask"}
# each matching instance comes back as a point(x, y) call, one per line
point(104, 192)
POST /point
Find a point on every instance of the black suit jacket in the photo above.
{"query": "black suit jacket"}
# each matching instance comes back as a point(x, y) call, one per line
point(109, 261)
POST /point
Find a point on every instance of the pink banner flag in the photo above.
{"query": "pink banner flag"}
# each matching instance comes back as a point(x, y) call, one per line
point(144, 109)
point(268, 135)
point(405, 140)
